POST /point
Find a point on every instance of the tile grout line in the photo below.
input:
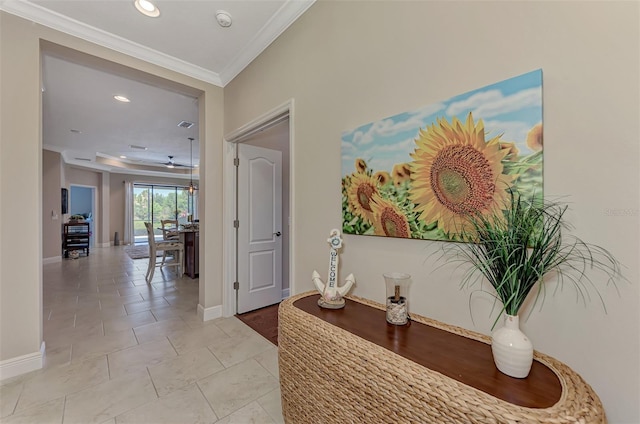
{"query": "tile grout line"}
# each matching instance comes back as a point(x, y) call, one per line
point(108, 366)
point(64, 408)
point(153, 383)
point(207, 400)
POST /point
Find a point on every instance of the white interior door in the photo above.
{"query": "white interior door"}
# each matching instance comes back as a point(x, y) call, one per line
point(259, 231)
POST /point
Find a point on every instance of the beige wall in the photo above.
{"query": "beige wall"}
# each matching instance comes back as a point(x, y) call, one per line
point(21, 161)
point(52, 217)
point(20, 167)
point(349, 63)
point(82, 176)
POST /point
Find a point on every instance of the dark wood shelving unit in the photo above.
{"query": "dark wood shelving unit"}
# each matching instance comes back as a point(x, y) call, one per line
point(75, 236)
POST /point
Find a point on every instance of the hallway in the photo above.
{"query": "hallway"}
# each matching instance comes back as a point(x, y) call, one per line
point(121, 351)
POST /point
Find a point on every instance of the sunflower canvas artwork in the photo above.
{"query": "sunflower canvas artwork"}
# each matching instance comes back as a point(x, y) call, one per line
point(420, 174)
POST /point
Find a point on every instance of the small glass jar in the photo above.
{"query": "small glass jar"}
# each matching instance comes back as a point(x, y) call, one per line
point(397, 297)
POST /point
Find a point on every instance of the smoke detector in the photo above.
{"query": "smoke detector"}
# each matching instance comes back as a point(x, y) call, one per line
point(223, 18)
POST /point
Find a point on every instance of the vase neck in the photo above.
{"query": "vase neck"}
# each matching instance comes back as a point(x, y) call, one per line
point(512, 321)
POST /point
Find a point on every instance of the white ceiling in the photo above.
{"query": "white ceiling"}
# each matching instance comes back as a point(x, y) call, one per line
point(83, 122)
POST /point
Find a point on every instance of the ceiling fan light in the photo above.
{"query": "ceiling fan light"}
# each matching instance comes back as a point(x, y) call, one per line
point(147, 8)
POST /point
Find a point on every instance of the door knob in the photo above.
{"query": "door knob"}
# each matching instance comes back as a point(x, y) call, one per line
point(277, 234)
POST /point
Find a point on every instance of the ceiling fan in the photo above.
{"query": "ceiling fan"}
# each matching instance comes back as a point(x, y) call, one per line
point(172, 164)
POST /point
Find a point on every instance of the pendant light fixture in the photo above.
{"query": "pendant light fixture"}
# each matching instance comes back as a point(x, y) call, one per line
point(191, 186)
point(191, 189)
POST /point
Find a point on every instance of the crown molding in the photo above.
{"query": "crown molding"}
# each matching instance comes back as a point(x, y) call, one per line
point(54, 20)
point(279, 22)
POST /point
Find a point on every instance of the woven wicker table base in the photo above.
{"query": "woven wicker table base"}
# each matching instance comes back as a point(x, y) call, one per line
point(329, 375)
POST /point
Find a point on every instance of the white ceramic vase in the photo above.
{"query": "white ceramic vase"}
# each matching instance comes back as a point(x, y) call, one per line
point(512, 349)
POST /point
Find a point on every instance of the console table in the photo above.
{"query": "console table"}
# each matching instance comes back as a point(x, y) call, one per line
point(349, 365)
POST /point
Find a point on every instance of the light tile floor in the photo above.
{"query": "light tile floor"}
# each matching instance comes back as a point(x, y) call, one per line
point(119, 350)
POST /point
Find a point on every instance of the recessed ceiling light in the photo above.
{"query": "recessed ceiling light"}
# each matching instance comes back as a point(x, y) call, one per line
point(121, 99)
point(123, 157)
point(147, 8)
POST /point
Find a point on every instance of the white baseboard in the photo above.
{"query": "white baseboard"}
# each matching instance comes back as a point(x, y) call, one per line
point(207, 314)
point(107, 244)
point(51, 260)
point(22, 364)
point(285, 293)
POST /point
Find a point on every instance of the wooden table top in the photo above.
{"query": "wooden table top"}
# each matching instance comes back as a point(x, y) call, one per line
point(460, 358)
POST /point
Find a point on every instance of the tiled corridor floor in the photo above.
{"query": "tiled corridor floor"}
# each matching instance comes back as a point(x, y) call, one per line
point(121, 351)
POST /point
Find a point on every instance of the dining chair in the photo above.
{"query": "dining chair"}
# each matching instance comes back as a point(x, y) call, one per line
point(169, 229)
point(164, 246)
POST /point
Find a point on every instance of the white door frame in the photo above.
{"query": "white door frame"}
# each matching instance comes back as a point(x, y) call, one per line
point(229, 192)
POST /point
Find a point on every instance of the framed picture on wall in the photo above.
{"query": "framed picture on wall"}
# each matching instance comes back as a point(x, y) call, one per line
point(65, 201)
point(420, 174)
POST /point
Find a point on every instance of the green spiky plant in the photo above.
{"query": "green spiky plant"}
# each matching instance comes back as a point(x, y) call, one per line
point(520, 248)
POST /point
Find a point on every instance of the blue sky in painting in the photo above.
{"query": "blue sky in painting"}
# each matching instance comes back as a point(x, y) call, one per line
point(511, 108)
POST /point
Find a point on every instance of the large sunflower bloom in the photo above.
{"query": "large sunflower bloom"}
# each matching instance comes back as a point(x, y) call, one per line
point(455, 174)
point(389, 220)
point(360, 192)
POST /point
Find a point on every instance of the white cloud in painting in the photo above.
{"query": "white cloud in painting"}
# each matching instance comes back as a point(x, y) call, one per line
point(512, 131)
point(384, 157)
point(348, 148)
point(491, 103)
point(425, 112)
point(361, 138)
point(391, 126)
point(474, 101)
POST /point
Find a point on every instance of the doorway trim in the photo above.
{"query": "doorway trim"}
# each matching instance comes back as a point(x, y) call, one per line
point(95, 213)
point(268, 119)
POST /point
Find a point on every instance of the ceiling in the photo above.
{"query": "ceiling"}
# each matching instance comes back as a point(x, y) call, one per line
point(81, 118)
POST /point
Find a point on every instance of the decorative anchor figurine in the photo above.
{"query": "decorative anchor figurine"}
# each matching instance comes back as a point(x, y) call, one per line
point(332, 295)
